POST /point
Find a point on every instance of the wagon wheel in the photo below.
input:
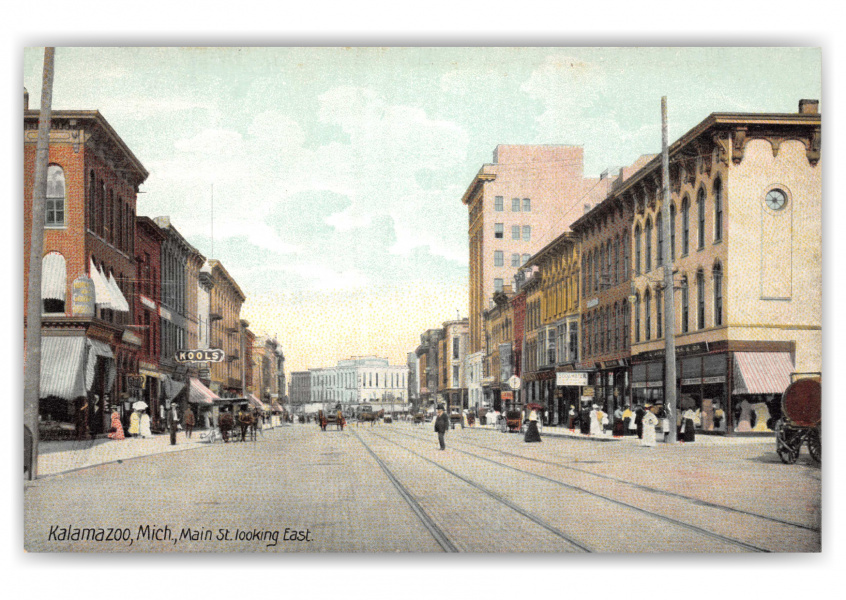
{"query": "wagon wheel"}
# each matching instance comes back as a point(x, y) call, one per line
point(785, 450)
point(815, 445)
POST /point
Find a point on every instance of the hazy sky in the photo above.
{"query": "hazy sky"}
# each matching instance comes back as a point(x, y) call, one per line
point(338, 173)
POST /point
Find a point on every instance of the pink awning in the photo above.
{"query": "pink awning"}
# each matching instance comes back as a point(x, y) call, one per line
point(200, 394)
point(256, 402)
point(762, 372)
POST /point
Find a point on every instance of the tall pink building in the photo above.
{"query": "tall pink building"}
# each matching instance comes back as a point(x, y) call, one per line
point(518, 204)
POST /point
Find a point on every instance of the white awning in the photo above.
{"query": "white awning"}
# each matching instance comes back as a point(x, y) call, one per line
point(117, 295)
point(102, 292)
point(53, 277)
point(62, 358)
point(98, 348)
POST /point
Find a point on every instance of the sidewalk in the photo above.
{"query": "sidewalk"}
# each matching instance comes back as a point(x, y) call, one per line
point(703, 439)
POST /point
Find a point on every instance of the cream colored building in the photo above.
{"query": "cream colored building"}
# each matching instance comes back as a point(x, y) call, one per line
point(746, 195)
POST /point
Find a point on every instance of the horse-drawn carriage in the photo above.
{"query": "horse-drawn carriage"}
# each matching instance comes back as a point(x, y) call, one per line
point(331, 419)
point(512, 421)
point(800, 421)
point(419, 418)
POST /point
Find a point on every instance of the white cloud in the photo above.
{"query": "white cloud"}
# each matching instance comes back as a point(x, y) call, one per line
point(212, 141)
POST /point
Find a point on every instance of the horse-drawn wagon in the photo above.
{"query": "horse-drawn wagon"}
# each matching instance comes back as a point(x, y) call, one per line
point(512, 421)
point(800, 421)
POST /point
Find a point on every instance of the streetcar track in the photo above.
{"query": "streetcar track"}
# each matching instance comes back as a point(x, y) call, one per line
point(436, 532)
point(644, 488)
point(649, 513)
point(535, 519)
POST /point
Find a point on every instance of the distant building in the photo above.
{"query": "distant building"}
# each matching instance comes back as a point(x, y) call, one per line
point(452, 383)
point(361, 380)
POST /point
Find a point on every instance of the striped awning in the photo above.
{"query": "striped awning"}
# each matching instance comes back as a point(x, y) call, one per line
point(53, 277)
point(256, 402)
point(98, 348)
point(762, 372)
point(200, 394)
point(62, 373)
point(275, 406)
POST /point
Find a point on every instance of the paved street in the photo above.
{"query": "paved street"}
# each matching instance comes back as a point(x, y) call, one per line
point(387, 488)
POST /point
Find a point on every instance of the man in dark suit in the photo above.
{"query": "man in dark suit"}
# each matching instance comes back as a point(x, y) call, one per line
point(441, 425)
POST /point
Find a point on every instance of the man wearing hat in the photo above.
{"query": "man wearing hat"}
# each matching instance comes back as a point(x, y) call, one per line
point(441, 424)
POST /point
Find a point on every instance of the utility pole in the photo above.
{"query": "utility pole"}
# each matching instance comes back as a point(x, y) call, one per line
point(32, 362)
point(670, 402)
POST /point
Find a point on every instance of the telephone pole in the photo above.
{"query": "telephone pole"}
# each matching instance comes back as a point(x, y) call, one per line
point(670, 403)
point(32, 360)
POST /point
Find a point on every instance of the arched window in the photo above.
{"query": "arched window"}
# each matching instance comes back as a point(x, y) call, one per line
point(647, 321)
point(700, 299)
point(685, 305)
point(659, 322)
point(616, 261)
point(647, 241)
point(625, 241)
point(685, 226)
point(637, 318)
point(659, 232)
point(626, 324)
point(700, 207)
point(596, 263)
point(637, 250)
point(54, 207)
point(608, 276)
point(53, 283)
point(718, 294)
point(109, 225)
point(672, 232)
point(718, 209)
point(101, 204)
point(92, 202)
point(616, 327)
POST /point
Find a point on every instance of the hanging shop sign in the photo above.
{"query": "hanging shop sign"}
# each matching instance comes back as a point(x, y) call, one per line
point(588, 391)
point(210, 355)
point(507, 395)
point(82, 291)
point(571, 379)
point(135, 382)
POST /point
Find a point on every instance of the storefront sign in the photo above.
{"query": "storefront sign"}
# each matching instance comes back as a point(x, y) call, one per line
point(573, 378)
point(588, 391)
point(82, 291)
point(507, 395)
point(211, 355)
point(703, 380)
point(135, 382)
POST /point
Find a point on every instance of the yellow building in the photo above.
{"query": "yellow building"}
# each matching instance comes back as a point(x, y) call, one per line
point(225, 316)
point(746, 194)
point(498, 323)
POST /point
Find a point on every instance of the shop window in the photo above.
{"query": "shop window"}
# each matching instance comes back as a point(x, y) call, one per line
point(54, 207)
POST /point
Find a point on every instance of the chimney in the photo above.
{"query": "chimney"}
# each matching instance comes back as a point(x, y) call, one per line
point(809, 107)
point(26, 99)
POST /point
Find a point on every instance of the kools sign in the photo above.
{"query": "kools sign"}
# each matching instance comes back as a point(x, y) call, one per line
point(211, 355)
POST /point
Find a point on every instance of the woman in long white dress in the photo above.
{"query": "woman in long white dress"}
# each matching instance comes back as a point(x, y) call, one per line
point(145, 426)
point(595, 425)
point(649, 423)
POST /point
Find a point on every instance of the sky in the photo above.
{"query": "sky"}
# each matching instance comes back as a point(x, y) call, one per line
point(335, 175)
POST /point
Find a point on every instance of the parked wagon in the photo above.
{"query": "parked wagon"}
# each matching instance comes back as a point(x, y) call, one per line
point(513, 421)
point(419, 418)
point(800, 421)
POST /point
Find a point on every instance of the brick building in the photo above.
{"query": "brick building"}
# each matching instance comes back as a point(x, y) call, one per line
point(88, 345)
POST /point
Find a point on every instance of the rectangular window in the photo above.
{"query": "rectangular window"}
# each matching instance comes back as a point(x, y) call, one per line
point(515, 260)
point(525, 259)
point(54, 211)
point(685, 307)
point(527, 233)
point(498, 258)
point(456, 343)
point(658, 321)
point(455, 379)
point(497, 285)
point(498, 204)
point(515, 232)
point(700, 302)
point(701, 206)
point(499, 232)
point(527, 205)
point(515, 205)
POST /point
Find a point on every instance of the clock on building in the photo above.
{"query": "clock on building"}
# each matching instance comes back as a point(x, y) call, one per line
point(776, 199)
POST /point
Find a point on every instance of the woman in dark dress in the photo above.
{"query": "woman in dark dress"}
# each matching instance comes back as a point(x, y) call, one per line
point(639, 421)
point(532, 433)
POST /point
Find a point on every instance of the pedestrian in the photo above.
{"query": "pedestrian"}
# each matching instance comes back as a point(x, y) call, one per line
point(341, 420)
point(81, 419)
point(189, 422)
point(584, 420)
point(687, 429)
point(595, 420)
point(628, 422)
point(639, 414)
point(532, 433)
point(116, 431)
point(134, 423)
point(619, 425)
point(648, 432)
point(144, 425)
point(173, 423)
point(441, 425)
